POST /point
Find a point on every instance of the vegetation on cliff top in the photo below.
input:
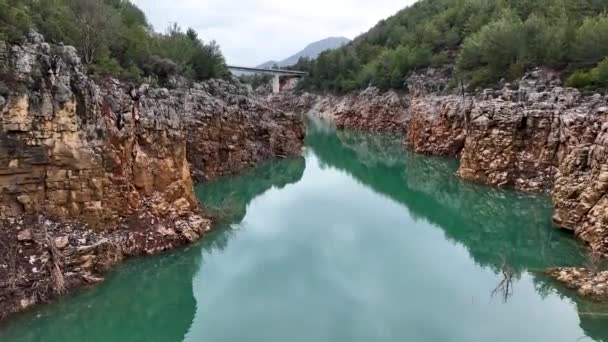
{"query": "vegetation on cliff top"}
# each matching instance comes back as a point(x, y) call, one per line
point(482, 41)
point(114, 38)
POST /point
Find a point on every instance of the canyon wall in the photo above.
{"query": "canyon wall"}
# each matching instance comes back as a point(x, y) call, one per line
point(72, 148)
point(229, 130)
point(94, 171)
point(369, 110)
point(532, 136)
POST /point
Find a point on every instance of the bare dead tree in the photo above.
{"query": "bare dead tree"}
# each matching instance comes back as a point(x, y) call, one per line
point(57, 280)
point(10, 257)
point(94, 21)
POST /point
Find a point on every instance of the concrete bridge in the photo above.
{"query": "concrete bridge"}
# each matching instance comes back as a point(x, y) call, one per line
point(282, 78)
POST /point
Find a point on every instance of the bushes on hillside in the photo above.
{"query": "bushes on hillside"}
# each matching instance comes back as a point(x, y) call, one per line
point(594, 78)
point(114, 38)
point(256, 80)
point(484, 41)
point(591, 41)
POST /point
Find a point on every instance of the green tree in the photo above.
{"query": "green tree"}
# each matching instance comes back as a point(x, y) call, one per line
point(591, 41)
point(114, 38)
point(486, 40)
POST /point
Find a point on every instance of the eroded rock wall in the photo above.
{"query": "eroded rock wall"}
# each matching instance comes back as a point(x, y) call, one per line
point(581, 188)
point(537, 137)
point(533, 135)
point(229, 130)
point(437, 125)
point(369, 110)
point(72, 148)
point(512, 144)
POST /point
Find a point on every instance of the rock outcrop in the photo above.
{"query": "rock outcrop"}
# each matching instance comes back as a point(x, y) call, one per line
point(72, 148)
point(229, 130)
point(587, 283)
point(369, 110)
point(536, 137)
point(93, 172)
point(437, 125)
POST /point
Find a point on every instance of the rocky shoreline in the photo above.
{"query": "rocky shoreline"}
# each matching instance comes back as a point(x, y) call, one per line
point(532, 135)
point(93, 172)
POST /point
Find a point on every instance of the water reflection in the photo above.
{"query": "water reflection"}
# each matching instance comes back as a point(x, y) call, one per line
point(494, 225)
point(507, 231)
point(359, 241)
point(151, 299)
point(228, 197)
point(144, 310)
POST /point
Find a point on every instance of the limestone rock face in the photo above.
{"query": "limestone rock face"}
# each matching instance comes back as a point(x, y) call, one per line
point(587, 283)
point(72, 148)
point(533, 135)
point(581, 188)
point(369, 110)
point(437, 125)
point(87, 156)
point(229, 130)
point(512, 144)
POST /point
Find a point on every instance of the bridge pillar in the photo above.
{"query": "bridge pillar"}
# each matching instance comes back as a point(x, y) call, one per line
point(276, 84)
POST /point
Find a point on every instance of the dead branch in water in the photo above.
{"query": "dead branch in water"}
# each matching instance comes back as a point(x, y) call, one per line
point(505, 287)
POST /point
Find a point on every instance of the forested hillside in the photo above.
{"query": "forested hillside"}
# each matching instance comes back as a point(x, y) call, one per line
point(114, 38)
point(482, 41)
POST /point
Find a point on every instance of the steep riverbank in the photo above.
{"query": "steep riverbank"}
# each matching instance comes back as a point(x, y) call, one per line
point(532, 135)
point(92, 172)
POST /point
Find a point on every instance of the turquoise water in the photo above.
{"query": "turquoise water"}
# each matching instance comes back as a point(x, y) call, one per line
point(358, 240)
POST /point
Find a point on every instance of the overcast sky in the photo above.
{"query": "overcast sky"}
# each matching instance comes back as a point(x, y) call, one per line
point(251, 32)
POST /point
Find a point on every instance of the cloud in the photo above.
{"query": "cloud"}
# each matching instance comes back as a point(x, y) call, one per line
point(251, 32)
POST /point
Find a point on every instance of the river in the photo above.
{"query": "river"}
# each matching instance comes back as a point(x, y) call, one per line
point(358, 240)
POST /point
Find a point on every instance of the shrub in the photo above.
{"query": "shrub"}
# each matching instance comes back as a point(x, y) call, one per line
point(494, 39)
point(581, 79)
point(114, 38)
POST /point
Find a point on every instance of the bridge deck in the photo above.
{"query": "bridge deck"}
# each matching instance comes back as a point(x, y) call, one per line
point(269, 71)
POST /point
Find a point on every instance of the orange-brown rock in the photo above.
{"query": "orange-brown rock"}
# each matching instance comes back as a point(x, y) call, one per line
point(587, 283)
point(437, 125)
point(228, 130)
point(369, 110)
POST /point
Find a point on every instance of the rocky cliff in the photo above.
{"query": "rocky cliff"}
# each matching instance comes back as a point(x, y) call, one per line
point(95, 171)
point(532, 136)
point(229, 130)
point(369, 110)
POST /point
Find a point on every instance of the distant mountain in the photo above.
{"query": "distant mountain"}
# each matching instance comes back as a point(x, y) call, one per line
point(311, 51)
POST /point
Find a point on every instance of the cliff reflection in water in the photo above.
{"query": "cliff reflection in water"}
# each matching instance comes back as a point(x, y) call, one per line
point(151, 299)
point(494, 225)
point(143, 309)
point(507, 231)
point(228, 197)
